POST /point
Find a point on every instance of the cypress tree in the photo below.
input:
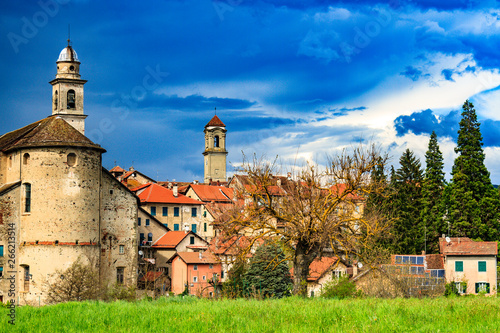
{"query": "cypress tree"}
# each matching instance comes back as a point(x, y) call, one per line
point(473, 202)
point(408, 226)
point(432, 193)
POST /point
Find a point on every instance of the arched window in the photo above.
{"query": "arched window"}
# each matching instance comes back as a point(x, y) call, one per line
point(150, 237)
point(216, 141)
point(71, 99)
point(71, 159)
point(26, 159)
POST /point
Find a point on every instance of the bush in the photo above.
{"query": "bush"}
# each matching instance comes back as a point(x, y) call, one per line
point(341, 288)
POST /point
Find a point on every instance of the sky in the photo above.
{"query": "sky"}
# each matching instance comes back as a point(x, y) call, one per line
point(301, 80)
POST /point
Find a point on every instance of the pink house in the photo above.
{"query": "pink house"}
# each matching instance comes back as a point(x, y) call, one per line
point(194, 270)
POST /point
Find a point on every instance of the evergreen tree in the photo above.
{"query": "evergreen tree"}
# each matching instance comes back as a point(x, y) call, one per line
point(407, 205)
point(268, 272)
point(473, 202)
point(432, 193)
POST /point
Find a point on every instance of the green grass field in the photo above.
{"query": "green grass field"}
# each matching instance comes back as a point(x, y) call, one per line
point(465, 314)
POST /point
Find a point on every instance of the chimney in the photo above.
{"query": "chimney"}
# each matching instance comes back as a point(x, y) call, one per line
point(289, 176)
point(423, 253)
point(279, 182)
point(218, 182)
point(175, 189)
point(131, 168)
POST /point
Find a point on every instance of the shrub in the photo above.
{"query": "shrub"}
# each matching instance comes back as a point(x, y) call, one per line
point(450, 289)
point(341, 288)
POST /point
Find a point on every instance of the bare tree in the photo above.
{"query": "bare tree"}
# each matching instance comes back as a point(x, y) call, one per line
point(319, 211)
point(79, 282)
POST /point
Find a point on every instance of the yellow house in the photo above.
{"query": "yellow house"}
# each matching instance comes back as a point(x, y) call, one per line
point(471, 265)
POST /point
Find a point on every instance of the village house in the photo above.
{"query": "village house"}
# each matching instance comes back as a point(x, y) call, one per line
point(173, 209)
point(195, 271)
point(57, 203)
point(323, 271)
point(471, 265)
point(131, 178)
point(173, 242)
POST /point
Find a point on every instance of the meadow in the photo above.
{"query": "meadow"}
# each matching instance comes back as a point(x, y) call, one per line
point(176, 314)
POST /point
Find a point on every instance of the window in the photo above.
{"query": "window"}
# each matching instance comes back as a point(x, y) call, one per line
point(459, 266)
point(481, 266)
point(195, 267)
point(26, 158)
point(176, 226)
point(176, 211)
point(139, 221)
point(1, 250)
point(216, 141)
point(205, 227)
point(211, 266)
point(482, 287)
point(1, 271)
point(193, 228)
point(141, 238)
point(204, 277)
point(193, 212)
point(461, 287)
point(153, 210)
point(191, 240)
point(150, 237)
point(122, 249)
point(195, 279)
point(205, 214)
point(165, 211)
point(147, 221)
point(27, 198)
point(71, 159)
point(71, 99)
point(26, 278)
point(119, 274)
point(221, 275)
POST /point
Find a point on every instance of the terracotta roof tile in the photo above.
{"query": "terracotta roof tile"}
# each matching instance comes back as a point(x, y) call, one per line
point(117, 168)
point(197, 257)
point(171, 239)
point(215, 121)
point(209, 193)
point(319, 267)
point(464, 246)
point(155, 193)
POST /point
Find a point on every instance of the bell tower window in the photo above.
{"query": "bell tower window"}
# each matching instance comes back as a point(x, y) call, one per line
point(56, 100)
point(71, 99)
point(216, 141)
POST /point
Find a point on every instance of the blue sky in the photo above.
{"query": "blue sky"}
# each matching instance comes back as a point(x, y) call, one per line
point(298, 79)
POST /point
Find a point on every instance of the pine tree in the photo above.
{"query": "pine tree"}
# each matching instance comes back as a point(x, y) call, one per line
point(432, 193)
point(473, 202)
point(268, 272)
point(407, 205)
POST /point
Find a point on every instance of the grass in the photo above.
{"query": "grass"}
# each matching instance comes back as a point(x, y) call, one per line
point(461, 314)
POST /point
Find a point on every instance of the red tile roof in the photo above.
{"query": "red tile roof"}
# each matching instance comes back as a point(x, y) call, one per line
point(171, 239)
point(155, 193)
point(340, 189)
point(209, 193)
point(215, 121)
point(464, 246)
point(319, 267)
point(117, 168)
point(196, 257)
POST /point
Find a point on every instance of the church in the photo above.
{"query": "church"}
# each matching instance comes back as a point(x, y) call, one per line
point(57, 203)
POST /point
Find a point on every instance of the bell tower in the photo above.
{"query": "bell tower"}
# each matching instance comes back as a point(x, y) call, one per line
point(215, 150)
point(67, 89)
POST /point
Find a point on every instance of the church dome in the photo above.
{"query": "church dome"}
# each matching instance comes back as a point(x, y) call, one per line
point(68, 54)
